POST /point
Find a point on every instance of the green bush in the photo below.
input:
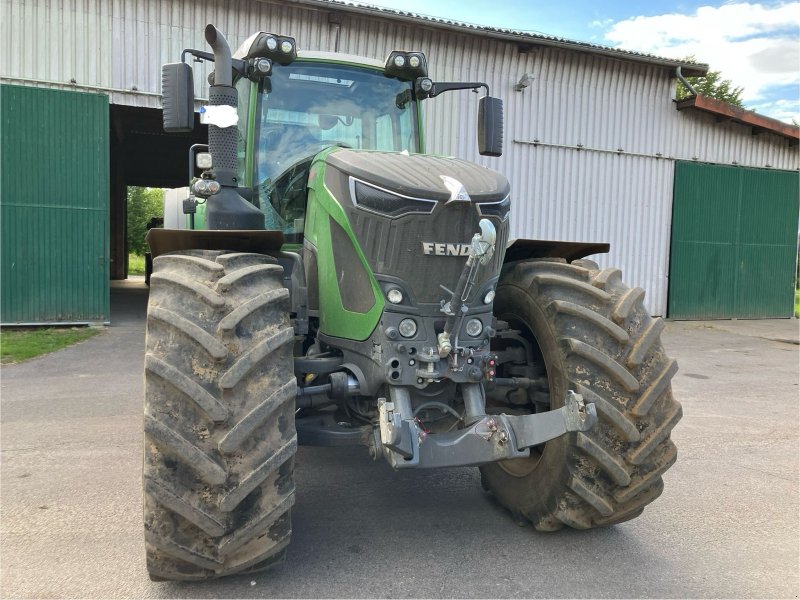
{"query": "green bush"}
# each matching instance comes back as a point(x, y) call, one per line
point(143, 205)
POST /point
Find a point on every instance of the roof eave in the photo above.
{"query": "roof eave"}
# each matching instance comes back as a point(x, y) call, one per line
point(727, 112)
point(688, 69)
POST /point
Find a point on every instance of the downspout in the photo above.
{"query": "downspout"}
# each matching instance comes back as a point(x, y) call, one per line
point(684, 81)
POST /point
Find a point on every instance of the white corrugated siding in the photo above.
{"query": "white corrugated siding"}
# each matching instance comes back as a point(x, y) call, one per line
point(593, 194)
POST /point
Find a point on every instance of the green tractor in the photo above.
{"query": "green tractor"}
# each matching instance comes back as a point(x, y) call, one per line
point(349, 289)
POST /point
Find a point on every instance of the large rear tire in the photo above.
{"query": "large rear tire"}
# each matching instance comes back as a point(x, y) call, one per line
point(593, 335)
point(219, 438)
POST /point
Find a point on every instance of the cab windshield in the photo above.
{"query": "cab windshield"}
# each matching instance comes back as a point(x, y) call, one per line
point(304, 108)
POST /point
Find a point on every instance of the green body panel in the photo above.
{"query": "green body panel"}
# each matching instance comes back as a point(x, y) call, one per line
point(335, 320)
point(199, 218)
point(54, 206)
point(420, 131)
point(734, 242)
point(250, 143)
point(321, 208)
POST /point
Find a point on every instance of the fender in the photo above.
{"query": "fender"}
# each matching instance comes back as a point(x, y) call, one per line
point(162, 241)
point(522, 249)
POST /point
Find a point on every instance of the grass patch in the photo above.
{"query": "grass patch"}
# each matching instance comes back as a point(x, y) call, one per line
point(17, 345)
point(135, 264)
point(797, 303)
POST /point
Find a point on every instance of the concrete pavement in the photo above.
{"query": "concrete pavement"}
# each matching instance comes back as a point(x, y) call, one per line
point(726, 525)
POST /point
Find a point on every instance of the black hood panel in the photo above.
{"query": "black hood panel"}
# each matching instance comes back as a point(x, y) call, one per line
point(396, 246)
point(420, 175)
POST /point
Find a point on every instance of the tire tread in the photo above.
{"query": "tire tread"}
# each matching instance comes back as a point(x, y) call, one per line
point(612, 355)
point(218, 456)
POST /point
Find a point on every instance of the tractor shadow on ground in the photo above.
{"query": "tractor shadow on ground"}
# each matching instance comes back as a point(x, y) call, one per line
point(361, 529)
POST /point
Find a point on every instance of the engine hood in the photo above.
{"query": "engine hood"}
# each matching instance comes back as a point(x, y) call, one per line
point(422, 176)
point(421, 240)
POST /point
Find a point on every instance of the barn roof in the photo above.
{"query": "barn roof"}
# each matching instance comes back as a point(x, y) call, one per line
point(525, 39)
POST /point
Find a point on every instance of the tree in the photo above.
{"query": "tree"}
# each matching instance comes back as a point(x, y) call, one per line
point(712, 85)
point(143, 205)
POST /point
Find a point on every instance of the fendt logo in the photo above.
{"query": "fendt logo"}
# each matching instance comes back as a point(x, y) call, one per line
point(437, 249)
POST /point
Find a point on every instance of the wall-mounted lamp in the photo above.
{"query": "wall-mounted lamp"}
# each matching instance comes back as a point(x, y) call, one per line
point(524, 82)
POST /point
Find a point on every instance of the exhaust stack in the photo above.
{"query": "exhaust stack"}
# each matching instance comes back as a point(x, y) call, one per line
point(226, 209)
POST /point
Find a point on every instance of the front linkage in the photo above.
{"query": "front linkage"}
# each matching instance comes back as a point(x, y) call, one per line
point(491, 438)
point(402, 438)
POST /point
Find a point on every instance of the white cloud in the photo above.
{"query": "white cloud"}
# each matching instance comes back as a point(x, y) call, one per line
point(783, 110)
point(754, 45)
point(604, 23)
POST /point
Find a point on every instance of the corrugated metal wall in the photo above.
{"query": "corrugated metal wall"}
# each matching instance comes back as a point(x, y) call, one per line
point(53, 206)
point(734, 243)
point(606, 131)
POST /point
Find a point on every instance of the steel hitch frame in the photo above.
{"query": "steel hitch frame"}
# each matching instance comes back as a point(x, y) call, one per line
point(492, 438)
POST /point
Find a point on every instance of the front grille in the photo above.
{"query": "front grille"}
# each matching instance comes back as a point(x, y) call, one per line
point(395, 247)
point(392, 242)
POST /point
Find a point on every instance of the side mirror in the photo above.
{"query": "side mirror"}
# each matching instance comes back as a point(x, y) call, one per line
point(177, 97)
point(490, 126)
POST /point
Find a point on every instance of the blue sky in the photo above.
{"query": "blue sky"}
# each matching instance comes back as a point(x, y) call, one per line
point(754, 44)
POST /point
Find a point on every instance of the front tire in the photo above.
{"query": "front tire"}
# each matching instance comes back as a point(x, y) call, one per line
point(592, 335)
point(219, 438)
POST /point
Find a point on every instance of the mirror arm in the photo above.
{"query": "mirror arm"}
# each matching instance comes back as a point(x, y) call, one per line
point(438, 88)
point(239, 66)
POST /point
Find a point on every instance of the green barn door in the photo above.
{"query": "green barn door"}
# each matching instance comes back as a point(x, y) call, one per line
point(734, 242)
point(54, 197)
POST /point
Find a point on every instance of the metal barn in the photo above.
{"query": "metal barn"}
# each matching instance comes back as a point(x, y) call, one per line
point(597, 148)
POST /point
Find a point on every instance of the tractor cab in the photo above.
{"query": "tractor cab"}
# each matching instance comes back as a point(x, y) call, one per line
point(309, 106)
point(291, 106)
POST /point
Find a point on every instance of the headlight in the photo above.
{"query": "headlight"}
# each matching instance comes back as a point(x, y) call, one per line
point(383, 202)
point(394, 296)
point(413, 61)
point(408, 328)
point(272, 43)
point(263, 65)
point(399, 61)
point(286, 46)
point(474, 327)
point(487, 299)
point(495, 209)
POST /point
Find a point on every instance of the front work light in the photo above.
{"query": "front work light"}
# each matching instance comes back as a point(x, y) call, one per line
point(278, 48)
point(203, 161)
point(406, 65)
